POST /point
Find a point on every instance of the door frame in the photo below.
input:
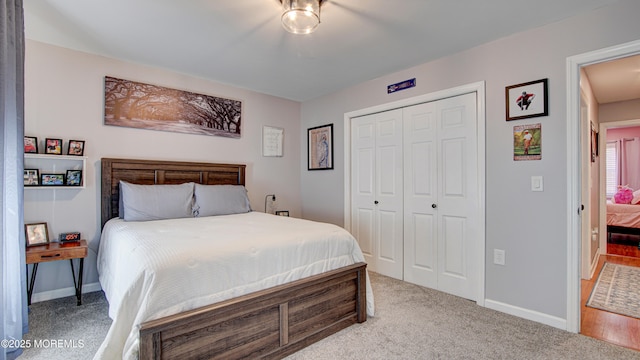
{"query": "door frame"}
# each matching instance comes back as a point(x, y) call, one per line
point(574, 168)
point(479, 89)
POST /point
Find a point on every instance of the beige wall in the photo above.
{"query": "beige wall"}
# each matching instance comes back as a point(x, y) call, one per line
point(64, 98)
point(620, 111)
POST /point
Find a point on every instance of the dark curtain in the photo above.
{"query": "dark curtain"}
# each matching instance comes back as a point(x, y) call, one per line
point(13, 320)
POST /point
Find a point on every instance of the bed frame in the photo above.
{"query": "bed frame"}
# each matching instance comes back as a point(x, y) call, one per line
point(613, 229)
point(271, 323)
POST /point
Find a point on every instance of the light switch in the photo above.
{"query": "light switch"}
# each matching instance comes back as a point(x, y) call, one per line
point(536, 183)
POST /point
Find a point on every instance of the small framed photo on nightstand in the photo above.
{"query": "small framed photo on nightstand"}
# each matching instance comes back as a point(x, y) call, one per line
point(36, 234)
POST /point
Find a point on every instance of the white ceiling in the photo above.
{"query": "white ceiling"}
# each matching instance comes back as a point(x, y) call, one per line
point(241, 42)
point(616, 80)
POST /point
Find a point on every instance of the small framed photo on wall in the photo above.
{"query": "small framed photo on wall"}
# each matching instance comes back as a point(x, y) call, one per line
point(76, 148)
point(31, 144)
point(36, 234)
point(53, 146)
point(527, 100)
point(31, 177)
point(320, 147)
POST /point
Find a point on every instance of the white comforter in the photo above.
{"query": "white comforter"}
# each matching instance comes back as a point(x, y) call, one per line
point(157, 268)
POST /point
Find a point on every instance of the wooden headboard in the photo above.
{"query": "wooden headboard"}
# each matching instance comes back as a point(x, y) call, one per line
point(150, 172)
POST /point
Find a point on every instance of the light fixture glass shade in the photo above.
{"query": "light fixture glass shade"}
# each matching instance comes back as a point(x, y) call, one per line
point(300, 16)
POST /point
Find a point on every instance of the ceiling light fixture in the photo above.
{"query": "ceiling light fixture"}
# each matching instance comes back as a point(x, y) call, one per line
point(301, 16)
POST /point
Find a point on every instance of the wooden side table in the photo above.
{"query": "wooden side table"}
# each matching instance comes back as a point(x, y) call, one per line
point(54, 252)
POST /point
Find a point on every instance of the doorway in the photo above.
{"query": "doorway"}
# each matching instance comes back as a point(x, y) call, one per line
point(575, 165)
point(618, 136)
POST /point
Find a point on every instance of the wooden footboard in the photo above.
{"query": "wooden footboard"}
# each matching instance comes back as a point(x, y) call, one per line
point(272, 323)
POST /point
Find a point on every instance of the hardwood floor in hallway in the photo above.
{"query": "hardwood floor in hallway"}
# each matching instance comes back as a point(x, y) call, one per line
point(613, 328)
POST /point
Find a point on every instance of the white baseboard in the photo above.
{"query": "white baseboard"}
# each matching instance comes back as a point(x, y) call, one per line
point(527, 314)
point(60, 293)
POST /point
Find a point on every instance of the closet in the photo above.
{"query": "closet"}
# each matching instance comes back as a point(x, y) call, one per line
point(414, 193)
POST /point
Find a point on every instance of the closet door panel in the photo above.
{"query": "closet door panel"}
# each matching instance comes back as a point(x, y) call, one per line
point(388, 184)
point(363, 186)
point(420, 193)
point(376, 210)
point(457, 195)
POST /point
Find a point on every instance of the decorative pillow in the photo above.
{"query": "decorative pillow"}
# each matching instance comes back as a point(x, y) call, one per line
point(624, 195)
point(220, 200)
point(636, 197)
point(156, 202)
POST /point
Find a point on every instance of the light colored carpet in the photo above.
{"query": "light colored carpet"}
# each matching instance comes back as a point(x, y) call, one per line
point(617, 290)
point(411, 322)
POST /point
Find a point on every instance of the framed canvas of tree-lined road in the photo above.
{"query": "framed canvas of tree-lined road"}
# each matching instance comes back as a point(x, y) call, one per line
point(138, 105)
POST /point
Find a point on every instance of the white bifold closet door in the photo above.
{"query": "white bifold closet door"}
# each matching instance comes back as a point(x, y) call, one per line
point(441, 199)
point(376, 189)
point(415, 199)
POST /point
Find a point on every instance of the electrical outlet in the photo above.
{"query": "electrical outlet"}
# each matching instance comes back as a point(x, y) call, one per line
point(498, 257)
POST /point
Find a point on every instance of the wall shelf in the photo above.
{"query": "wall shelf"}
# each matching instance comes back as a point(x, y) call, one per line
point(55, 164)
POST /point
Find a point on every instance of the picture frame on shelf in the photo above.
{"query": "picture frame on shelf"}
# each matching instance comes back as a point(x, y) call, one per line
point(30, 144)
point(320, 147)
point(53, 146)
point(527, 100)
point(52, 180)
point(73, 178)
point(75, 148)
point(36, 234)
point(31, 177)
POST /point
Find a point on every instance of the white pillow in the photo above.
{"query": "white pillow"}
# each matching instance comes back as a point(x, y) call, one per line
point(156, 202)
point(220, 200)
point(636, 197)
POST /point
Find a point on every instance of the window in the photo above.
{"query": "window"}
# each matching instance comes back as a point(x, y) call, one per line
point(612, 169)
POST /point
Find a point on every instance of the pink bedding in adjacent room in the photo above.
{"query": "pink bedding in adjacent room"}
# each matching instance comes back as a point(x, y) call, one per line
point(624, 215)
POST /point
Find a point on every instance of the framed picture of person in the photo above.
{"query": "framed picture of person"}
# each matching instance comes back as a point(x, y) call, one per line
point(320, 147)
point(31, 144)
point(36, 234)
point(52, 179)
point(76, 148)
point(31, 177)
point(53, 146)
point(527, 100)
point(73, 178)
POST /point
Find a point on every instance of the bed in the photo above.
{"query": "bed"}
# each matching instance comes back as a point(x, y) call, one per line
point(171, 305)
point(623, 219)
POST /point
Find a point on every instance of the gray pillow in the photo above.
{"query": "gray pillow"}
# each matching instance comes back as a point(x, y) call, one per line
point(156, 202)
point(220, 200)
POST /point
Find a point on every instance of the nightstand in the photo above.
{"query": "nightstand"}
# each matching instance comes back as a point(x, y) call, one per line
point(54, 252)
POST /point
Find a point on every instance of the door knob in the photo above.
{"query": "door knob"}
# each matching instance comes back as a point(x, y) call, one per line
point(434, 206)
point(376, 202)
